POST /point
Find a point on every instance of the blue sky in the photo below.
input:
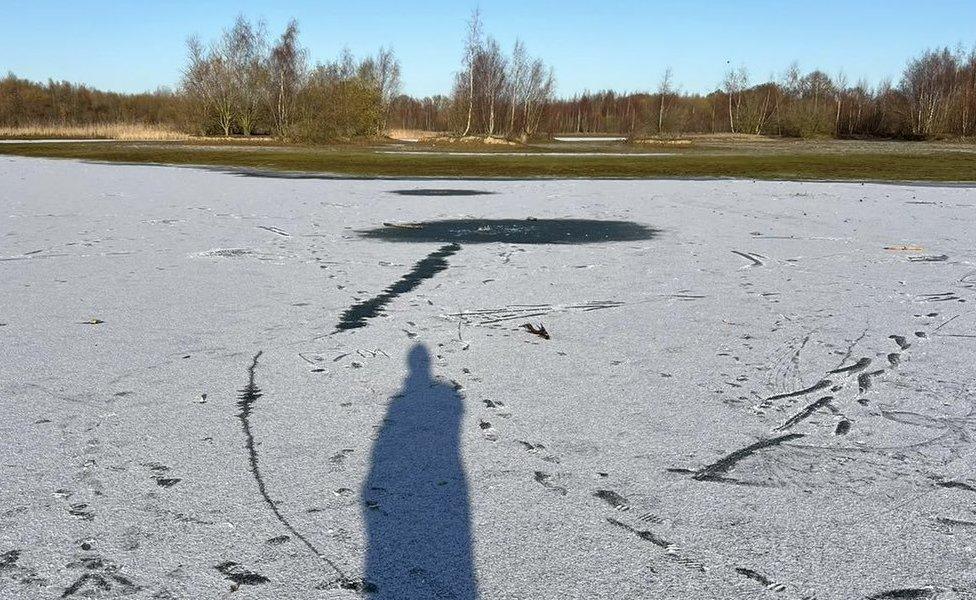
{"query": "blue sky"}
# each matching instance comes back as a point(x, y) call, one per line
point(623, 44)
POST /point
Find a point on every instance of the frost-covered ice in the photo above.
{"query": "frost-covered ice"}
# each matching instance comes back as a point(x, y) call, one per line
point(757, 400)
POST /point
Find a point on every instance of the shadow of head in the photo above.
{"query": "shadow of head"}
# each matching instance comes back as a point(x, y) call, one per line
point(425, 396)
point(418, 361)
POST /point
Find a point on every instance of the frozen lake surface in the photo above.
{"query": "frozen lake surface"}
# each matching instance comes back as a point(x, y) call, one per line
point(303, 388)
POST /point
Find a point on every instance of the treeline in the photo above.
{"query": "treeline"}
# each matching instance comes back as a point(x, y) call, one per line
point(495, 93)
point(243, 83)
point(499, 94)
point(24, 103)
point(936, 97)
point(432, 113)
point(246, 82)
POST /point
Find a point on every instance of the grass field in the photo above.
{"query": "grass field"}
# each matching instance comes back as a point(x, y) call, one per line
point(777, 159)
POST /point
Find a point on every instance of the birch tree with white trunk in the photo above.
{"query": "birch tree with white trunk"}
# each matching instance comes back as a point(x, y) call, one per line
point(472, 49)
point(516, 82)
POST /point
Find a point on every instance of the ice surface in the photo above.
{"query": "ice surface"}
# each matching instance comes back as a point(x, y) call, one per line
point(183, 415)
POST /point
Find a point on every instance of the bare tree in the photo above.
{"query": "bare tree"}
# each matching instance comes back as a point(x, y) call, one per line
point(384, 72)
point(539, 89)
point(968, 83)
point(492, 65)
point(859, 96)
point(664, 91)
point(730, 85)
point(242, 48)
point(840, 89)
point(930, 84)
point(208, 79)
point(287, 70)
point(736, 80)
point(516, 81)
point(472, 48)
point(763, 111)
point(226, 78)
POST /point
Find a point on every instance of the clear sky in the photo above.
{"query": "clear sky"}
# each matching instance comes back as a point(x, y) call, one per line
point(593, 44)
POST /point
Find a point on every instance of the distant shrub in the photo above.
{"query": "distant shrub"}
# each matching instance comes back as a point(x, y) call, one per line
point(337, 103)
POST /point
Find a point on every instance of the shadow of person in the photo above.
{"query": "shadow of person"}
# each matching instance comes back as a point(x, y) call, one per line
point(416, 495)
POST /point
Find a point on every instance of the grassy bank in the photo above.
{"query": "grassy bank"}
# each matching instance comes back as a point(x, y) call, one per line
point(887, 163)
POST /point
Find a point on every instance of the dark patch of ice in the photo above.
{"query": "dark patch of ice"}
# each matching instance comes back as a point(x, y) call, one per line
point(515, 231)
